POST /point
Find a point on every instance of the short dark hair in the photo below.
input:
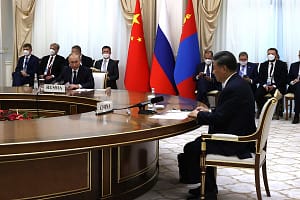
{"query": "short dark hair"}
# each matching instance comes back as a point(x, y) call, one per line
point(106, 47)
point(55, 44)
point(77, 47)
point(226, 58)
point(274, 49)
point(209, 51)
point(243, 53)
point(28, 45)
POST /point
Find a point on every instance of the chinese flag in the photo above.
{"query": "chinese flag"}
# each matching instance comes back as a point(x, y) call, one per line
point(137, 69)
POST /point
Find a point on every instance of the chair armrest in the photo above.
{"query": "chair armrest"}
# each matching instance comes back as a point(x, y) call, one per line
point(229, 137)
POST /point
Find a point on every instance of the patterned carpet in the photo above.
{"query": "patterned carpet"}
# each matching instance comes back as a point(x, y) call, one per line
point(283, 166)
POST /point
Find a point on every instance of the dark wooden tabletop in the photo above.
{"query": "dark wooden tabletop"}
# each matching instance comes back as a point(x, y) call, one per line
point(88, 130)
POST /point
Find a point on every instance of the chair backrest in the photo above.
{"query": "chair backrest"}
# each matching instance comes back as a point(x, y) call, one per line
point(100, 80)
point(265, 121)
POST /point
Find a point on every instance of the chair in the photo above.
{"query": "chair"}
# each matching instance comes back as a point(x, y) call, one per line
point(279, 107)
point(215, 94)
point(258, 158)
point(288, 98)
point(100, 80)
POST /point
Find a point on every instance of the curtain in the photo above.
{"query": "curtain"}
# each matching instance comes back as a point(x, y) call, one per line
point(23, 20)
point(207, 13)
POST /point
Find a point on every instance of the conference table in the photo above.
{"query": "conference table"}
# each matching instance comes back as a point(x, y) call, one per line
point(69, 152)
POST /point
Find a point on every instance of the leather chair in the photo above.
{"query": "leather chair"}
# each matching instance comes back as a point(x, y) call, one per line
point(288, 98)
point(258, 159)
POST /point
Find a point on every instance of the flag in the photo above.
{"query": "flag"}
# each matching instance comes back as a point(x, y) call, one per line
point(137, 69)
point(188, 56)
point(163, 62)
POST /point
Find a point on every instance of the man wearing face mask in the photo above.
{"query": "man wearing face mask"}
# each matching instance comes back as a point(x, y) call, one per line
point(27, 66)
point(51, 65)
point(272, 75)
point(247, 70)
point(205, 79)
point(109, 66)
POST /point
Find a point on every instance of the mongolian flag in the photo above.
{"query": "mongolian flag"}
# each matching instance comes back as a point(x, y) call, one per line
point(188, 56)
point(137, 70)
point(163, 62)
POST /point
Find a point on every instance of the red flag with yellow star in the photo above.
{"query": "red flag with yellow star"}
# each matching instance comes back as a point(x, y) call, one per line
point(137, 70)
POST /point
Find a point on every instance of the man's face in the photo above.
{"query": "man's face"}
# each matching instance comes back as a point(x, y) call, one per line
point(76, 51)
point(208, 56)
point(243, 58)
point(74, 61)
point(273, 52)
point(105, 51)
point(54, 47)
point(219, 71)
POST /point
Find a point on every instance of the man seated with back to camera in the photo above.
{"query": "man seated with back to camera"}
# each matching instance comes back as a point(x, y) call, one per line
point(234, 114)
point(76, 76)
point(205, 79)
point(272, 75)
point(108, 66)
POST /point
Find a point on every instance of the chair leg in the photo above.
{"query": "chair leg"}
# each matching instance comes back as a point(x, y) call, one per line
point(264, 171)
point(291, 107)
point(286, 109)
point(257, 183)
point(203, 169)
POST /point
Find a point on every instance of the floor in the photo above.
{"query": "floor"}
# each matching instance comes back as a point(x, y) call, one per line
point(283, 166)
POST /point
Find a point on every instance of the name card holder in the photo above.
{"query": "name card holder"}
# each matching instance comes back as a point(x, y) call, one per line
point(104, 107)
point(54, 88)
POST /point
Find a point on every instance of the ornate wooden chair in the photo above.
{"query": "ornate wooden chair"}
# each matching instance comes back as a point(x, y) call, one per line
point(288, 98)
point(258, 159)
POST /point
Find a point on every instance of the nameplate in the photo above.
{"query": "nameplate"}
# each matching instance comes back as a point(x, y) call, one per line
point(54, 88)
point(104, 107)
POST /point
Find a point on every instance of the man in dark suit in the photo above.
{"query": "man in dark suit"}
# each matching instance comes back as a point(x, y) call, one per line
point(85, 60)
point(110, 66)
point(272, 74)
point(52, 65)
point(27, 66)
point(76, 76)
point(294, 87)
point(247, 70)
point(205, 79)
point(234, 114)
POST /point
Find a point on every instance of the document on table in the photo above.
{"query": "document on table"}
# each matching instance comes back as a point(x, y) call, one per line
point(172, 114)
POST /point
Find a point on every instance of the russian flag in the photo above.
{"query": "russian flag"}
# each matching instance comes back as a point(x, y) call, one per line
point(188, 56)
point(163, 61)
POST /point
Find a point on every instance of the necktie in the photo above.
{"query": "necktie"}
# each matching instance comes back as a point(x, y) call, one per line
point(271, 70)
point(207, 71)
point(25, 63)
point(104, 68)
point(74, 77)
point(50, 66)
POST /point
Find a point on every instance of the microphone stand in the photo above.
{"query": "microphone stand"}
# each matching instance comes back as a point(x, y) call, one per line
point(142, 110)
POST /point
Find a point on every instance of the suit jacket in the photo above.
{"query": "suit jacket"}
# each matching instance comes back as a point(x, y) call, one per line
point(210, 85)
point(293, 74)
point(84, 77)
point(252, 73)
point(280, 75)
point(85, 61)
point(58, 64)
point(112, 72)
point(234, 114)
point(32, 65)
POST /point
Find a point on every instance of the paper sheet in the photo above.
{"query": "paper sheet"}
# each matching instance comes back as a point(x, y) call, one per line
point(172, 114)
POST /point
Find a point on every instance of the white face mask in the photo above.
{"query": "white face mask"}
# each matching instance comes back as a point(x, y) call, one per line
point(243, 63)
point(271, 57)
point(25, 52)
point(52, 52)
point(106, 55)
point(208, 61)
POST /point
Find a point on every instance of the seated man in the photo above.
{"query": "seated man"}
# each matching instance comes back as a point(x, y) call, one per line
point(110, 66)
point(247, 70)
point(272, 74)
point(76, 76)
point(27, 66)
point(234, 114)
point(52, 65)
point(205, 79)
point(84, 60)
point(294, 87)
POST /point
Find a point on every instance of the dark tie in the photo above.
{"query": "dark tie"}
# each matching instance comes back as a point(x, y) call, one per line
point(207, 71)
point(25, 63)
point(74, 77)
point(271, 70)
point(50, 66)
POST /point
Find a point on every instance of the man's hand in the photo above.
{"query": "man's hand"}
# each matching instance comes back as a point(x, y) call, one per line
point(73, 86)
point(195, 112)
point(23, 73)
point(48, 77)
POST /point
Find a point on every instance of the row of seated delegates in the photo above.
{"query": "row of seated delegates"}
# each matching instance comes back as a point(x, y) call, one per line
point(76, 75)
point(205, 79)
point(27, 66)
point(51, 65)
point(272, 75)
point(109, 66)
point(294, 87)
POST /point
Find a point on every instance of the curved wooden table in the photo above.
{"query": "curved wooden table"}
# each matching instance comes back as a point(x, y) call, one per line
point(82, 156)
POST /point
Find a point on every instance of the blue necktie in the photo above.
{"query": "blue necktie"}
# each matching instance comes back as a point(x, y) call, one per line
point(207, 71)
point(25, 63)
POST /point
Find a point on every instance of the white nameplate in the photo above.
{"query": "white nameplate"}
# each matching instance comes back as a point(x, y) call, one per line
point(104, 107)
point(54, 88)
